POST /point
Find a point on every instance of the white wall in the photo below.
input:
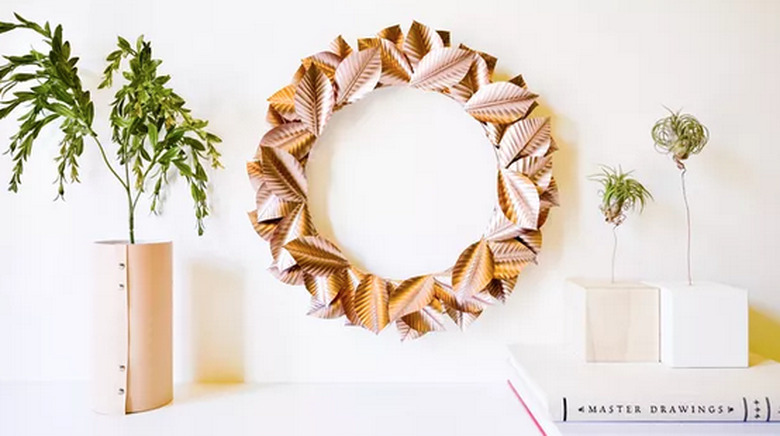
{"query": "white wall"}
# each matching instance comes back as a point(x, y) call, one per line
point(603, 70)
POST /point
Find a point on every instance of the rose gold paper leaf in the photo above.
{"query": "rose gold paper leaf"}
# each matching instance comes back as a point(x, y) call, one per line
point(441, 68)
point(538, 169)
point(460, 318)
point(326, 61)
point(283, 174)
point(490, 61)
point(528, 137)
point(291, 276)
point(406, 332)
point(347, 296)
point(358, 75)
point(473, 270)
point(420, 40)
point(264, 229)
point(331, 311)
point(544, 212)
point(293, 138)
point(269, 206)
point(395, 67)
point(500, 228)
point(518, 198)
point(532, 239)
point(551, 194)
point(326, 289)
point(518, 80)
point(283, 102)
point(317, 256)
point(477, 77)
point(394, 35)
point(295, 224)
point(510, 258)
point(500, 102)
point(314, 100)
point(494, 132)
point(340, 48)
point(255, 174)
point(371, 303)
point(273, 117)
point(410, 296)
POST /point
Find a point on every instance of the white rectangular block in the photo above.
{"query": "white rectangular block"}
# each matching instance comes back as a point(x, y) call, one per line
point(613, 322)
point(704, 325)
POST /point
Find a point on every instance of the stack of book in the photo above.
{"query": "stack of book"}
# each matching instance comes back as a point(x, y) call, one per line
point(556, 386)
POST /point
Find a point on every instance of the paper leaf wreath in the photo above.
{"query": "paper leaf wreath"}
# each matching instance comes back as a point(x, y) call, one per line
point(487, 270)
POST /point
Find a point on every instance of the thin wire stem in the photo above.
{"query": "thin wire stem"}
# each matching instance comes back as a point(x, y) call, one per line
point(688, 222)
point(614, 250)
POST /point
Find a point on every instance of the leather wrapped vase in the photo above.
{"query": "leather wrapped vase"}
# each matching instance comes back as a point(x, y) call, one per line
point(132, 362)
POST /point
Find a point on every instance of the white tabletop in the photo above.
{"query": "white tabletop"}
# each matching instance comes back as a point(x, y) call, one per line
point(47, 409)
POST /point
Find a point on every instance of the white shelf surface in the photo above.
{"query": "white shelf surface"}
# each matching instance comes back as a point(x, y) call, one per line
point(44, 409)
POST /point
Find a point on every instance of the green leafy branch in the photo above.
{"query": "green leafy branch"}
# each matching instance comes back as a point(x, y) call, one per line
point(156, 135)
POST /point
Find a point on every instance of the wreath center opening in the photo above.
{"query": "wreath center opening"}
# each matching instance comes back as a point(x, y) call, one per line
point(403, 181)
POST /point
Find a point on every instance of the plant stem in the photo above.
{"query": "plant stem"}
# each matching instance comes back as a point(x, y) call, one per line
point(105, 160)
point(614, 250)
point(688, 223)
point(130, 203)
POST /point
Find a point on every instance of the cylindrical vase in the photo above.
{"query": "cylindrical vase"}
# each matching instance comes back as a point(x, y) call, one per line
point(132, 362)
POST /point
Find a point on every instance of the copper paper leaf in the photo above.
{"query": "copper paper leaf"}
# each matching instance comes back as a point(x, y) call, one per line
point(340, 48)
point(296, 224)
point(460, 318)
point(518, 198)
point(371, 303)
point(424, 321)
point(445, 37)
point(255, 173)
point(326, 61)
point(314, 100)
point(273, 117)
point(420, 40)
point(347, 296)
point(317, 256)
point(441, 69)
point(531, 239)
point(500, 102)
point(293, 138)
point(490, 61)
point(518, 80)
point(283, 174)
point(528, 137)
point(500, 228)
point(325, 289)
point(358, 75)
point(477, 77)
point(283, 102)
point(406, 332)
point(473, 270)
point(510, 258)
point(263, 228)
point(392, 34)
point(270, 206)
point(411, 295)
point(291, 276)
point(395, 67)
point(538, 169)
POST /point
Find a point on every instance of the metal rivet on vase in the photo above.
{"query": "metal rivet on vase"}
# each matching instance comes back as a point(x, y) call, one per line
point(122, 368)
point(121, 286)
point(121, 266)
point(121, 391)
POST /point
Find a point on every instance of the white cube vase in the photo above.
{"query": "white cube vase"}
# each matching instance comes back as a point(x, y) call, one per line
point(613, 322)
point(704, 325)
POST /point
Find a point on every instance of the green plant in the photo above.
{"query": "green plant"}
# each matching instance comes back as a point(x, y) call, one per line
point(681, 135)
point(620, 193)
point(155, 134)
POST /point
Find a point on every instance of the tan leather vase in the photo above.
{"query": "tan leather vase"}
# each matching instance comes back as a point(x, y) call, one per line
point(132, 362)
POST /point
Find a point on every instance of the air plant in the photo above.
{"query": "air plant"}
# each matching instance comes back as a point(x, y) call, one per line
point(620, 193)
point(155, 134)
point(681, 135)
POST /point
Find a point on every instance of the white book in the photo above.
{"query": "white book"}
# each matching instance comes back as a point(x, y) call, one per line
point(565, 388)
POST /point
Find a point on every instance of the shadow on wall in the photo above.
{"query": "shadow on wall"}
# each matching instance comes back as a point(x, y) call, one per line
point(217, 323)
point(764, 334)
